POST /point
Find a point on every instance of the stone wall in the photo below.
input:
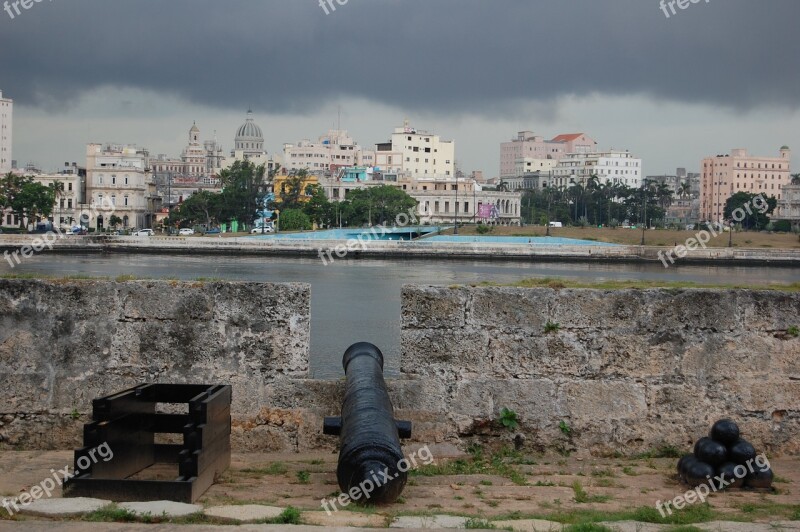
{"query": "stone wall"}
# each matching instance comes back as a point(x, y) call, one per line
point(604, 371)
point(64, 343)
point(590, 371)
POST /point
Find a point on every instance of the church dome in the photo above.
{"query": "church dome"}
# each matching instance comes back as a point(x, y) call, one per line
point(249, 131)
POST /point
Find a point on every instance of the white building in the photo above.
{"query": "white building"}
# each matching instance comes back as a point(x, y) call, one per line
point(119, 176)
point(66, 210)
point(421, 153)
point(6, 137)
point(444, 200)
point(618, 167)
point(789, 205)
point(335, 150)
point(531, 153)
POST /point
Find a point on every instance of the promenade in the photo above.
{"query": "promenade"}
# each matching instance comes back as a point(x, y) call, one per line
point(354, 249)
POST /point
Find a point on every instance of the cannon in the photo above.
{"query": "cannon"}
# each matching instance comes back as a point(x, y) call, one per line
point(371, 465)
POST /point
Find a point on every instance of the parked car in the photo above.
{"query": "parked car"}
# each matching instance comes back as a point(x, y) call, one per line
point(144, 232)
point(258, 230)
point(186, 232)
point(214, 231)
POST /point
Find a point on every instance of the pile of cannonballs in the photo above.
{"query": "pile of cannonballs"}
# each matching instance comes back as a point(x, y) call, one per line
point(725, 459)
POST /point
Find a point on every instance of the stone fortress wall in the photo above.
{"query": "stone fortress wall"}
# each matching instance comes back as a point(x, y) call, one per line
point(624, 371)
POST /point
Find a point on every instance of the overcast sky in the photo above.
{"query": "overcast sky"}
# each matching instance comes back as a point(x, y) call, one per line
point(715, 76)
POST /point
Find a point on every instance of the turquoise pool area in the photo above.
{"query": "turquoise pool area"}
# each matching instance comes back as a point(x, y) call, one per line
point(426, 234)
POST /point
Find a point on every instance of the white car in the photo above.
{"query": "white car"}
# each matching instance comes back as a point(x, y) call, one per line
point(144, 232)
point(258, 230)
point(186, 232)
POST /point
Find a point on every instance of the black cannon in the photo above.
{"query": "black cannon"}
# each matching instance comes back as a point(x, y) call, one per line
point(371, 463)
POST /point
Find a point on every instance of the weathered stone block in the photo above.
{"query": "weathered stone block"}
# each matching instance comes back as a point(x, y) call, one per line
point(441, 351)
point(603, 400)
point(435, 307)
point(510, 309)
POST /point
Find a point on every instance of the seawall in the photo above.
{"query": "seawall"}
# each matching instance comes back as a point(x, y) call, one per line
point(401, 249)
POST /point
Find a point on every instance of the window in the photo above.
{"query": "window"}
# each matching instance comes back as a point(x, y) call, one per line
point(113, 180)
point(125, 201)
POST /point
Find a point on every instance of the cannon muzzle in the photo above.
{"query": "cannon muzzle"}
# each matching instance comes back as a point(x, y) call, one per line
point(371, 467)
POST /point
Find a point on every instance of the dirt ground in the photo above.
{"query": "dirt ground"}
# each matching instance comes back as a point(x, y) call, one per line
point(524, 485)
point(656, 237)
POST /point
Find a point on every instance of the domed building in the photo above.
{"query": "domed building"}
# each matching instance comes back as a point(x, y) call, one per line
point(249, 139)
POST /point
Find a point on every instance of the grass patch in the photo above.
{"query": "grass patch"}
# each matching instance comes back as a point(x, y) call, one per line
point(603, 473)
point(475, 523)
point(304, 477)
point(551, 327)
point(587, 527)
point(275, 468)
point(663, 451)
point(550, 282)
point(770, 510)
point(113, 514)
point(628, 470)
point(500, 464)
point(696, 513)
point(582, 497)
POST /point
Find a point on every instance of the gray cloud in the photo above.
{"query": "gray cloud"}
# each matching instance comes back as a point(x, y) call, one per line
point(443, 56)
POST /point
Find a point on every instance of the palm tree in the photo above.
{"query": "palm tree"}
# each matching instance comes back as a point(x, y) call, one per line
point(796, 179)
point(58, 192)
point(685, 190)
point(664, 195)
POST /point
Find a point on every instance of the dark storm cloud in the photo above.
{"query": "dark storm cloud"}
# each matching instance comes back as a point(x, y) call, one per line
point(442, 55)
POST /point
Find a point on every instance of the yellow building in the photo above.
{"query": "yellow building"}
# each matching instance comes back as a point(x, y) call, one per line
point(283, 185)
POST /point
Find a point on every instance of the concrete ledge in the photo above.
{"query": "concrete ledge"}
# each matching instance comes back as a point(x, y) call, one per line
point(388, 249)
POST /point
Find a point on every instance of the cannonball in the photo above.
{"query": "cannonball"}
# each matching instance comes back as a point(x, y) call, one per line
point(727, 472)
point(760, 478)
point(711, 452)
point(699, 473)
point(741, 452)
point(699, 443)
point(682, 463)
point(725, 431)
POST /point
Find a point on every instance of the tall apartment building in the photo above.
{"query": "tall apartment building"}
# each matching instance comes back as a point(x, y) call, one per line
point(119, 176)
point(618, 167)
point(420, 153)
point(529, 153)
point(725, 175)
point(6, 137)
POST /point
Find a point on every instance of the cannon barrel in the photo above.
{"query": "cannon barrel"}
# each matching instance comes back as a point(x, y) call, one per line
point(371, 458)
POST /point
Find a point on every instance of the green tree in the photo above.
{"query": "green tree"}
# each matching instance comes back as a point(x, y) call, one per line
point(318, 208)
point(295, 191)
point(753, 217)
point(26, 198)
point(294, 220)
point(381, 204)
point(114, 221)
point(203, 207)
point(244, 188)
